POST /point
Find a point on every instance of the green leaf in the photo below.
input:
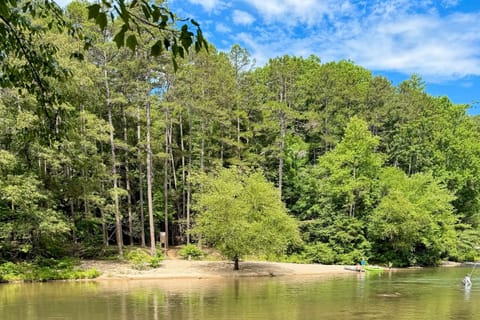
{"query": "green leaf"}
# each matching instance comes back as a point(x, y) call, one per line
point(93, 11)
point(186, 37)
point(166, 43)
point(164, 22)
point(101, 20)
point(119, 38)
point(175, 64)
point(174, 49)
point(156, 49)
point(123, 12)
point(132, 42)
point(147, 11)
point(195, 23)
point(156, 14)
point(202, 42)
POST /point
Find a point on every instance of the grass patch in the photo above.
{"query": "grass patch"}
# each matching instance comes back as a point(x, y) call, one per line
point(42, 269)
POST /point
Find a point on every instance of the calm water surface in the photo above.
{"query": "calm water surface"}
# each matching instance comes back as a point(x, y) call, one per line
point(420, 294)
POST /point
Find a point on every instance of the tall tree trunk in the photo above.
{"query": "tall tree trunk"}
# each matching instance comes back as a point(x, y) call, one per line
point(104, 225)
point(236, 265)
point(189, 172)
point(202, 149)
point(170, 152)
point(165, 180)
point(184, 195)
point(140, 180)
point(283, 129)
point(238, 138)
point(282, 150)
point(74, 220)
point(153, 249)
point(127, 181)
point(84, 175)
point(118, 220)
point(352, 204)
point(222, 147)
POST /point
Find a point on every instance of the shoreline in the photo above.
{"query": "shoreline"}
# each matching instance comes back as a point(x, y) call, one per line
point(184, 269)
point(172, 268)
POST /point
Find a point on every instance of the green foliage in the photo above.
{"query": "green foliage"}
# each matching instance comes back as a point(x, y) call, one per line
point(10, 271)
point(344, 181)
point(414, 222)
point(344, 237)
point(30, 61)
point(468, 242)
point(45, 270)
point(351, 257)
point(349, 171)
point(137, 17)
point(191, 251)
point(293, 258)
point(141, 259)
point(319, 253)
point(241, 213)
point(37, 228)
point(324, 133)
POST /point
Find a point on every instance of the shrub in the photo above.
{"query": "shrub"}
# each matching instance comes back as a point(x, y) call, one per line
point(10, 271)
point(352, 257)
point(295, 258)
point(191, 251)
point(44, 270)
point(319, 253)
point(141, 259)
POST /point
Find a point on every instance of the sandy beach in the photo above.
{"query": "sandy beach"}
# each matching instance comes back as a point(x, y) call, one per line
point(183, 269)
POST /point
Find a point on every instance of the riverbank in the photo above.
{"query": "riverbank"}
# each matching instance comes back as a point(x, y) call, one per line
point(183, 269)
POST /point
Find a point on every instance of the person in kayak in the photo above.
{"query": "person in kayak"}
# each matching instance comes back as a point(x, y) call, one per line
point(363, 263)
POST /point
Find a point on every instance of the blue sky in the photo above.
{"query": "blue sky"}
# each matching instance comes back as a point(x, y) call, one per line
point(436, 39)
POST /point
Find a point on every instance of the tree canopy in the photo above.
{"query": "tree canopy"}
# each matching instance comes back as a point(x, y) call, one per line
point(241, 213)
point(413, 222)
point(101, 153)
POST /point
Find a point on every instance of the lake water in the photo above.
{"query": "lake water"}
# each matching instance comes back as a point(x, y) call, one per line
point(410, 294)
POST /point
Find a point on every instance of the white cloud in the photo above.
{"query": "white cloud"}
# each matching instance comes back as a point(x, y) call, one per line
point(407, 36)
point(208, 5)
point(222, 28)
point(308, 12)
point(449, 3)
point(259, 52)
point(242, 18)
point(435, 47)
point(397, 35)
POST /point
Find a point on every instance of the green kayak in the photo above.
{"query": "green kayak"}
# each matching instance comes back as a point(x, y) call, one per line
point(374, 268)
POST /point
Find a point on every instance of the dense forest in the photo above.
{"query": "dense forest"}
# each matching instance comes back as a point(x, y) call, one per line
point(364, 167)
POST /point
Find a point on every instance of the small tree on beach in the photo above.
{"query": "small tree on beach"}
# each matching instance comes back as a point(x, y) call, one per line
point(241, 213)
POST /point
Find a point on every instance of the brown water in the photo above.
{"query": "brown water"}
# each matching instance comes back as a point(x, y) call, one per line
point(423, 294)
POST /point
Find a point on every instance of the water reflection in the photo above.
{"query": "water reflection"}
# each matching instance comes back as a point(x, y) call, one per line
point(467, 292)
point(425, 294)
